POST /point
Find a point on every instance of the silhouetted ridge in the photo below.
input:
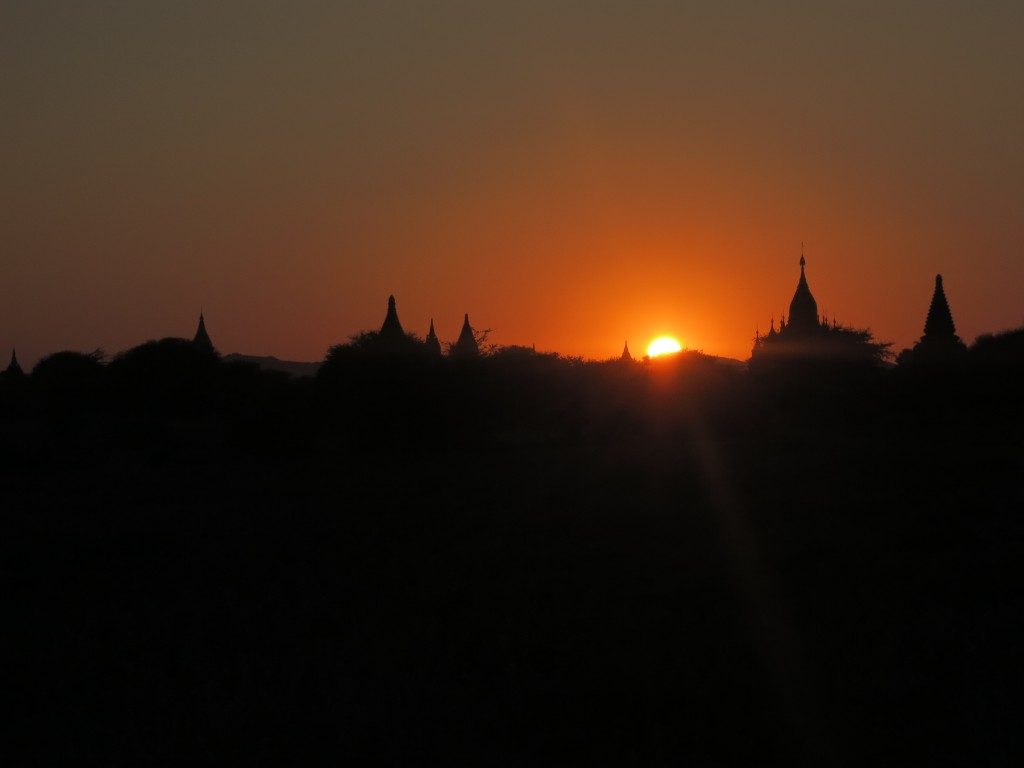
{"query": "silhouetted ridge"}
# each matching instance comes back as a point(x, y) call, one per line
point(295, 368)
point(466, 346)
point(1003, 352)
point(70, 377)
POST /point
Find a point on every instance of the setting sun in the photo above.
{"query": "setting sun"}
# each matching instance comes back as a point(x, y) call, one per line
point(664, 345)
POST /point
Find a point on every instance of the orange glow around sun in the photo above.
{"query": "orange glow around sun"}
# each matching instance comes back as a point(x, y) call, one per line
point(664, 345)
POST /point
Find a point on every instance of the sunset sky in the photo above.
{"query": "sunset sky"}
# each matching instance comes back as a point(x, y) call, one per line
point(571, 174)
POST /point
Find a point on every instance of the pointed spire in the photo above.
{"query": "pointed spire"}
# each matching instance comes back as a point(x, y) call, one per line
point(432, 343)
point(939, 323)
point(940, 345)
point(14, 369)
point(625, 356)
point(466, 345)
point(803, 309)
point(202, 338)
point(391, 329)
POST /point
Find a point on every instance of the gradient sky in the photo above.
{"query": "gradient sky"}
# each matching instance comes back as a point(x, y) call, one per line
point(571, 174)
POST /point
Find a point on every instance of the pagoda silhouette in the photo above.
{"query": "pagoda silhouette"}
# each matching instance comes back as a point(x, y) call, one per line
point(432, 343)
point(391, 344)
point(466, 348)
point(391, 330)
point(391, 340)
point(809, 337)
point(14, 370)
point(202, 339)
point(13, 378)
point(939, 345)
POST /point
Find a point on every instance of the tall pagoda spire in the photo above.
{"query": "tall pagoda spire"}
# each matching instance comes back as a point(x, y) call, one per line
point(466, 345)
point(14, 369)
point(432, 343)
point(939, 323)
point(940, 345)
point(625, 356)
point(803, 309)
point(391, 329)
point(202, 338)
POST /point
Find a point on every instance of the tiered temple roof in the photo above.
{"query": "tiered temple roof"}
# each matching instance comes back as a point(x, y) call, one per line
point(940, 345)
point(939, 323)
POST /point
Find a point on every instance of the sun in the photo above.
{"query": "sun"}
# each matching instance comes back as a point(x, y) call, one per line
point(664, 345)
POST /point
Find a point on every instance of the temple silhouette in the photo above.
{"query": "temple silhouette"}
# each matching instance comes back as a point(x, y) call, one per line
point(804, 322)
point(192, 534)
point(806, 336)
point(14, 369)
point(393, 339)
point(802, 334)
point(202, 338)
point(466, 347)
point(13, 377)
point(432, 343)
point(391, 329)
point(939, 345)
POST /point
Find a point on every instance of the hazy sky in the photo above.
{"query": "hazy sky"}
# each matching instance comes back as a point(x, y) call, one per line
point(572, 174)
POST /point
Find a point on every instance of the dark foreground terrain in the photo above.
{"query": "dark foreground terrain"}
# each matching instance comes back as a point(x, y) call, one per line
point(529, 563)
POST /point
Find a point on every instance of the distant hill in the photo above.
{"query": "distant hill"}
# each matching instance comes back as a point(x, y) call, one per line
point(299, 369)
point(271, 363)
point(729, 361)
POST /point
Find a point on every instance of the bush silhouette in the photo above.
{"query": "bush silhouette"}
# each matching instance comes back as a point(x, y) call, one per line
point(70, 377)
point(170, 372)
